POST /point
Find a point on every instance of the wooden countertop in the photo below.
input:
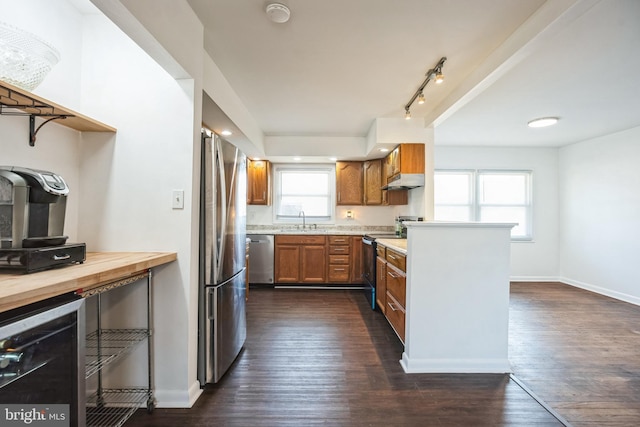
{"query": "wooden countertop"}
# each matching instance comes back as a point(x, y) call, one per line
point(18, 289)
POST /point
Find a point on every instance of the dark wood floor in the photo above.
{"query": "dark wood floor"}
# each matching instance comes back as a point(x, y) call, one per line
point(320, 357)
point(577, 350)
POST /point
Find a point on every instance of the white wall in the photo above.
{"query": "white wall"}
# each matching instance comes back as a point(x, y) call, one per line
point(121, 183)
point(600, 215)
point(128, 180)
point(530, 261)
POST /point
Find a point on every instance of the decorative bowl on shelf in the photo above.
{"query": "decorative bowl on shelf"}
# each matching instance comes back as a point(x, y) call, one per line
point(25, 59)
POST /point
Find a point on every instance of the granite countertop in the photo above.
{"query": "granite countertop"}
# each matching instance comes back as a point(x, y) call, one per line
point(321, 229)
point(399, 245)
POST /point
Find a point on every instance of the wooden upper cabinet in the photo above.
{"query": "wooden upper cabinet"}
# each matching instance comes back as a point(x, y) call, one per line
point(349, 183)
point(405, 158)
point(258, 182)
point(373, 182)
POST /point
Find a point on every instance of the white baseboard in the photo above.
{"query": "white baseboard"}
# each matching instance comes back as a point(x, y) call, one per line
point(534, 279)
point(602, 291)
point(455, 366)
point(178, 398)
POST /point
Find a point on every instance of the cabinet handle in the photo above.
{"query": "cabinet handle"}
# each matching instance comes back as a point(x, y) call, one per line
point(339, 196)
point(392, 307)
point(338, 269)
point(391, 256)
point(392, 275)
point(339, 240)
point(339, 249)
point(264, 195)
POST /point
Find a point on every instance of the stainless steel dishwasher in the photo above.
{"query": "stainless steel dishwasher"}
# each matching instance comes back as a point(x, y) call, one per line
point(261, 258)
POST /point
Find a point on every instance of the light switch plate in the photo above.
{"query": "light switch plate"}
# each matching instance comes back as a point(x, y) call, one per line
point(177, 199)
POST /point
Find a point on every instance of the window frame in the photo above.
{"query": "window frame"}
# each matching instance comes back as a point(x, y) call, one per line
point(329, 168)
point(475, 190)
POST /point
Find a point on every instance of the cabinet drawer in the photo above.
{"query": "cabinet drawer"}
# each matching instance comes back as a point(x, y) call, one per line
point(295, 239)
point(397, 284)
point(339, 259)
point(397, 259)
point(338, 250)
point(339, 273)
point(338, 240)
point(395, 315)
point(381, 252)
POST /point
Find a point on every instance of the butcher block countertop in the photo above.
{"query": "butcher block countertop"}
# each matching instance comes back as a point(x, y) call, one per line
point(18, 289)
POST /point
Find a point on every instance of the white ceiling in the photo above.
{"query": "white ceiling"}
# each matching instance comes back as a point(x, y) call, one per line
point(337, 65)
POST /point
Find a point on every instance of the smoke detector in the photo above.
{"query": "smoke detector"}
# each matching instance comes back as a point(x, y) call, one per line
point(278, 12)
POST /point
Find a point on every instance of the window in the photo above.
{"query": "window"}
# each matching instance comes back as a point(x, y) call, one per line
point(485, 196)
point(304, 188)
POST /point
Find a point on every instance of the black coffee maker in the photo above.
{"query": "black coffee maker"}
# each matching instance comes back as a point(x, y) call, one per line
point(32, 210)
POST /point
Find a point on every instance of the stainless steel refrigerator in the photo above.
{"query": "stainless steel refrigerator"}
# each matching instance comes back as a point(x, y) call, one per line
point(223, 201)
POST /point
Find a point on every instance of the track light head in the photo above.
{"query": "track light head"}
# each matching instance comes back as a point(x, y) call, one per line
point(439, 77)
point(421, 98)
point(407, 114)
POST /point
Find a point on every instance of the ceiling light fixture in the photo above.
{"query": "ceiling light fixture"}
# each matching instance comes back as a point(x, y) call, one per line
point(226, 132)
point(278, 12)
point(542, 122)
point(433, 74)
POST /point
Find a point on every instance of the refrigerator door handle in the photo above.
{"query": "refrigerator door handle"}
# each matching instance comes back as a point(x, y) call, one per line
point(222, 188)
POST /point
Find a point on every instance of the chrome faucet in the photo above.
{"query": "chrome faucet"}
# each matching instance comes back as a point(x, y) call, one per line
point(304, 220)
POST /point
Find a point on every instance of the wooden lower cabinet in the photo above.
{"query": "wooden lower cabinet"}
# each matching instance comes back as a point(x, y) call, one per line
point(300, 259)
point(339, 259)
point(391, 287)
point(317, 259)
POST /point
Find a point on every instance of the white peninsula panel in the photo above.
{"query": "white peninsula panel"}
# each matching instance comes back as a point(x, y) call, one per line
point(457, 318)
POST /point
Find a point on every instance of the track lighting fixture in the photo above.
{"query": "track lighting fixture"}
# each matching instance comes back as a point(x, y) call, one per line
point(434, 74)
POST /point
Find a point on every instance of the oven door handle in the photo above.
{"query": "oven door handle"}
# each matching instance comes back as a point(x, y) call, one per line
point(367, 241)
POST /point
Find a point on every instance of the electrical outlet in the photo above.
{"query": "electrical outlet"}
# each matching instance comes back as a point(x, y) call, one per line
point(177, 198)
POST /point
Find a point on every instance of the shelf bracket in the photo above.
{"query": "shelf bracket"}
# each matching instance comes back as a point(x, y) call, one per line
point(33, 131)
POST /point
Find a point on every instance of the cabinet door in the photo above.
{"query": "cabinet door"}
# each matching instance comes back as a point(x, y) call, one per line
point(287, 264)
point(393, 163)
point(381, 284)
point(372, 182)
point(313, 264)
point(396, 284)
point(258, 182)
point(356, 259)
point(349, 183)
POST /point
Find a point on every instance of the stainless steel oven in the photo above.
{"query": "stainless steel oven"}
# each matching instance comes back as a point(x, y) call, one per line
point(42, 349)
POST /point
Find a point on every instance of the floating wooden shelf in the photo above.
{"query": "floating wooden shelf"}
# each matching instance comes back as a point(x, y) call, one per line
point(13, 98)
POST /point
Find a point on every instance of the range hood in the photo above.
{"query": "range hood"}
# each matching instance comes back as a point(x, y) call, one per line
point(404, 181)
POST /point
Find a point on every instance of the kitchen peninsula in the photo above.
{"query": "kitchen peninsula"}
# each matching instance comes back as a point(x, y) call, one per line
point(457, 297)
